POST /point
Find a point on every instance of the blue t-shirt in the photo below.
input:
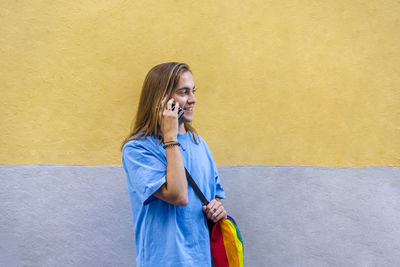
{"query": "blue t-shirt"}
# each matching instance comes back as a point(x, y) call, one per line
point(165, 234)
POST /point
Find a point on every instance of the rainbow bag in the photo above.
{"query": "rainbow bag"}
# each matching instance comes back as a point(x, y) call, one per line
point(225, 239)
point(226, 244)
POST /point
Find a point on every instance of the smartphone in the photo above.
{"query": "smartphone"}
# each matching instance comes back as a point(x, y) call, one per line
point(180, 110)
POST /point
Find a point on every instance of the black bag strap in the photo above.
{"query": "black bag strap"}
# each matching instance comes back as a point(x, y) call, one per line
point(203, 199)
point(196, 188)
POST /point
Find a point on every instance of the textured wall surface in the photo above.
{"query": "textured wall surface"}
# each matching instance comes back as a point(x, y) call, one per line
point(289, 216)
point(306, 83)
point(292, 82)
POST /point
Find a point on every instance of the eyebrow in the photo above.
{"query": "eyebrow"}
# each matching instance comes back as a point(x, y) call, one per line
point(186, 88)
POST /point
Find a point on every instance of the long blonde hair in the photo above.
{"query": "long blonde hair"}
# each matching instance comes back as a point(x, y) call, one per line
point(160, 81)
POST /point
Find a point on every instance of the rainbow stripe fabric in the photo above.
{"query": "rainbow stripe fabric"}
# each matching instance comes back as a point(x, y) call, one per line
point(226, 244)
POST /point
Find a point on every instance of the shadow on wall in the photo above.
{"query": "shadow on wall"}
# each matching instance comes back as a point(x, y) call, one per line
point(55, 215)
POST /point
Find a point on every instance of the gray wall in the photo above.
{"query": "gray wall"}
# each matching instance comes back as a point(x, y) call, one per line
point(55, 215)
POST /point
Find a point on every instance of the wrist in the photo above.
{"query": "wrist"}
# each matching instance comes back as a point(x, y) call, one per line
point(170, 141)
point(171, 144)
point(170, 138)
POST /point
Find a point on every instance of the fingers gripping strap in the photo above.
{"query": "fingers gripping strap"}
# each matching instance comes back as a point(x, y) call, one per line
point(196, 188)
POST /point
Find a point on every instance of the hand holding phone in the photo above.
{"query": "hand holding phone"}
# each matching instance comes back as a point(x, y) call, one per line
point(180, 110)
point(169, 120)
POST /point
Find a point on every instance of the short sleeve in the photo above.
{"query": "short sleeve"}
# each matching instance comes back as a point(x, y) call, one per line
point(145, 169)
point(219, 190)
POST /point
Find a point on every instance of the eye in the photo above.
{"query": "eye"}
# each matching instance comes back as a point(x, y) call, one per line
point(182, 92)
point(186, 91)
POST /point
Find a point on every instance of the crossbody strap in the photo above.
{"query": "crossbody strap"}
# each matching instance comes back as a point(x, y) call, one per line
point(196, 188)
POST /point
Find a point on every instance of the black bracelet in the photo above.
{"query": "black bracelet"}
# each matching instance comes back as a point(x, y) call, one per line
point(172, 144)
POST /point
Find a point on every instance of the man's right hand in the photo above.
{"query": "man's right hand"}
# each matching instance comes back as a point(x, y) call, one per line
point(169, 120)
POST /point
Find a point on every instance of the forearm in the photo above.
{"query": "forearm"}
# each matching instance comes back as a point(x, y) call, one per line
point(176, 183)
point(174, 191)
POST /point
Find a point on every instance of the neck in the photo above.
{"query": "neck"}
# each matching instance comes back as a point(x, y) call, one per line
point(181, 128)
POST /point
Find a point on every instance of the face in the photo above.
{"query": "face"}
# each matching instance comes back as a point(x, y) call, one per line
point(184, 95)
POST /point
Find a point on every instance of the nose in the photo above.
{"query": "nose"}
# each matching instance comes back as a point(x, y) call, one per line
point(191, 98)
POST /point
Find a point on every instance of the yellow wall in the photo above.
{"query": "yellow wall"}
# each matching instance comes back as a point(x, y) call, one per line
point(280, 82)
